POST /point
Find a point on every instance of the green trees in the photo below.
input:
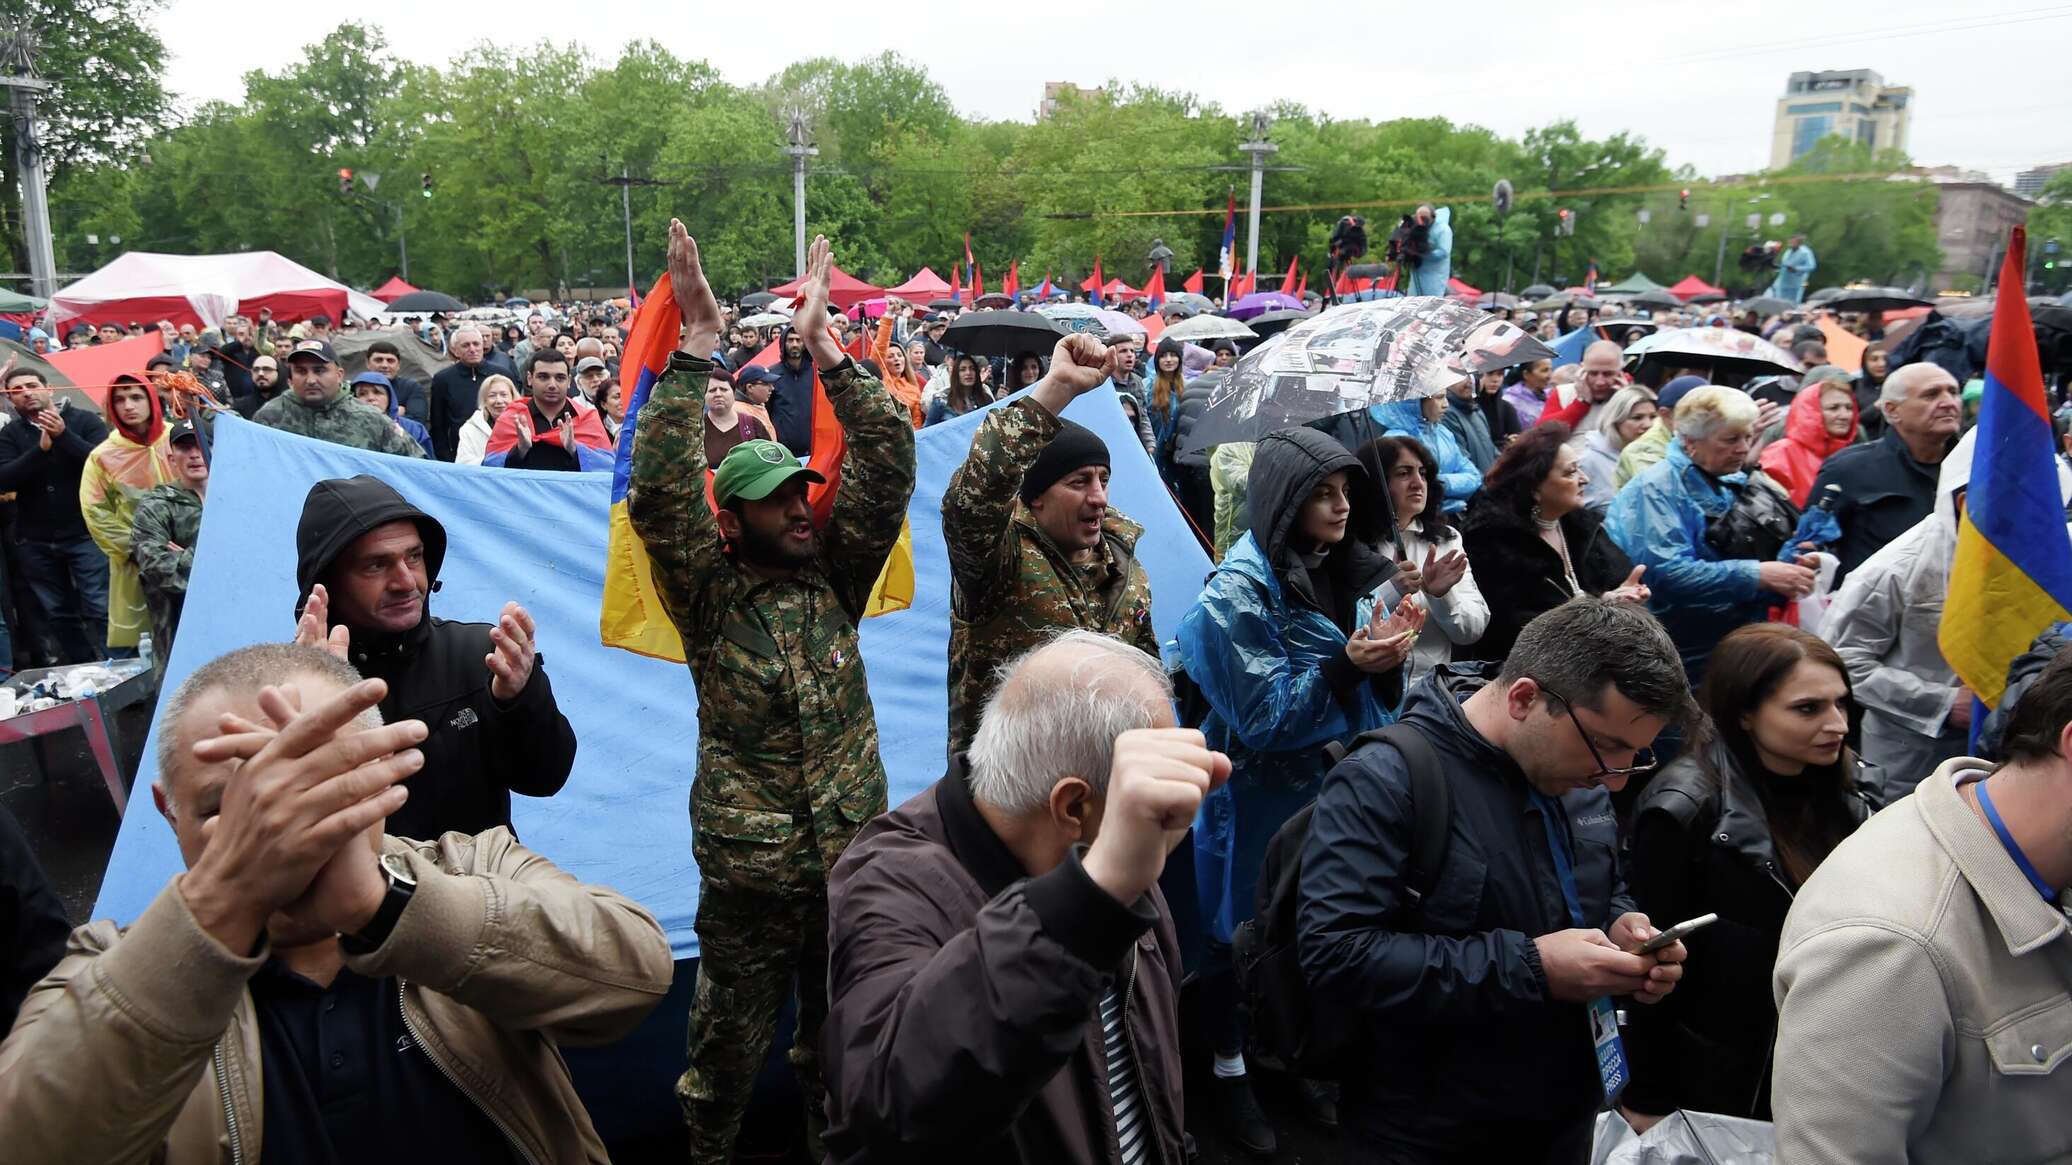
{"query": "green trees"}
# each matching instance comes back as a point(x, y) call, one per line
point(521, 145)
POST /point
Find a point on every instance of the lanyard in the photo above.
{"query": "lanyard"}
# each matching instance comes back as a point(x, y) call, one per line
point(1562, 848)
point(1985, 802)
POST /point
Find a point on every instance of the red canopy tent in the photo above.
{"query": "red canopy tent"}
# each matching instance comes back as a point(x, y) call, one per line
point(393, 290)
point(1691, 287)
point(924, 286)
point(1460, 289)
point(843, 291)
point(1111, 289)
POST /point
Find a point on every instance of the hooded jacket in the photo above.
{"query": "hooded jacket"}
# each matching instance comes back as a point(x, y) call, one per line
point(416, 432)
point(1659, 521)
point(479, 750)
point(791, 403)
point(1462, 481)
point(1884, 621)
point(1265, 643)
point(1702, 844)
point(964, 999)
point(1011, 586)
point(1795, 460)
point(1459, 1037)
point(144, 1044)
point(117, 474)
point(1432, 273)
point(1463, 418)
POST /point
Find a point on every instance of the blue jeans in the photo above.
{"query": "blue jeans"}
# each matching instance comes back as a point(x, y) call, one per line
point(70, 582)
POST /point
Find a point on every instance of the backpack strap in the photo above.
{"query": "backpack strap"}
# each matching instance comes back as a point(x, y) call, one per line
point(1431, 800)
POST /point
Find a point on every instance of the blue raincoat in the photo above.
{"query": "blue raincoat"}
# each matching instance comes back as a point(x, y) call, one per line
point(1659, 521)
point(1792, 270)
point(1264, 659)
point(1431, 275)
point(1457, 473)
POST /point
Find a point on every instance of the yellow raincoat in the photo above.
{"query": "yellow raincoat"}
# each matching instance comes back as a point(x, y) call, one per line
point(117, 474)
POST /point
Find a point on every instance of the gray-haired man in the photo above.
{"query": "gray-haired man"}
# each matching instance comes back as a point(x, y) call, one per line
point(979, 929)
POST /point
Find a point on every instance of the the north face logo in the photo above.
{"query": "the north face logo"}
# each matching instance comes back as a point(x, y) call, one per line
point(465, 718)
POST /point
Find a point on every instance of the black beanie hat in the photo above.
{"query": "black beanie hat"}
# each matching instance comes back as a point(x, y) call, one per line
point(1074, 448)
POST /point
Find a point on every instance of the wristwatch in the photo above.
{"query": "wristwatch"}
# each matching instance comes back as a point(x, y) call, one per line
point(401, 885)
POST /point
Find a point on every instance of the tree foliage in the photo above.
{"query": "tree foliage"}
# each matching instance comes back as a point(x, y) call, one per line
point(522, 148)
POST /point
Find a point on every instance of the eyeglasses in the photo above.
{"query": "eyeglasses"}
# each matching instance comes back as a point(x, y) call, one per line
point(1643, 758)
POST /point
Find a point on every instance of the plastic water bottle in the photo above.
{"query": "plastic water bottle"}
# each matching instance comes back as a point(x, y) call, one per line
point(144, 649)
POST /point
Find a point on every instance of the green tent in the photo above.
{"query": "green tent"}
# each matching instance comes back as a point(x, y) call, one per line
point(1633, 284)
point(15, 301)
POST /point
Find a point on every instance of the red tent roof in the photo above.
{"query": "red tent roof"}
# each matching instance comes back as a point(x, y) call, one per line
point(1460, 288)
point(843, 291)
point(924, 286)
point(393, 290)
point(1690, 287)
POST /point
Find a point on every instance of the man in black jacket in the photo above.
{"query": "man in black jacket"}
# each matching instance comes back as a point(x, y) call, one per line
point(366, 564)
point(791, 397)
point(1478, 1004)
point(33, 926)
point(41, 457)
point(455, 391)
point(1004, 972)
point(1889, 484)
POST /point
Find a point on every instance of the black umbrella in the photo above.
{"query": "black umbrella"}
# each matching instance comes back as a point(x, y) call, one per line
point(1367, 270)
point(1874, 299)
point(1768, 305)
point(1496, 299)
point(427, 301)
point(1267, 323)
point(1001, 333)
point(993, 299)
point(1536, 291)
point(758, 299)
point(1825, 294)
point(1656, 298)
point(945, 302)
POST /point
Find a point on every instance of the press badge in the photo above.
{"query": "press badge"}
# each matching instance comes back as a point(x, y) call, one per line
point(1611, 1055)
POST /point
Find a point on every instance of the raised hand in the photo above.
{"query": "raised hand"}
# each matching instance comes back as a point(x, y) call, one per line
point(522, 429)
point(311, 628)
point(1155, 784)
point(1632, 590)
point(511, 662)
point(300, 795)
point(1078, 365)
point(694, 300)
point(811, 317)
point(1384, 643)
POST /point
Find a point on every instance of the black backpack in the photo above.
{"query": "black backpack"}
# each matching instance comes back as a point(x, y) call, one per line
point(1289, 1023)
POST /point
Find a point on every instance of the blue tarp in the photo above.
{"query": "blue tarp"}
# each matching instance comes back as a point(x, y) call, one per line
point(539, 538)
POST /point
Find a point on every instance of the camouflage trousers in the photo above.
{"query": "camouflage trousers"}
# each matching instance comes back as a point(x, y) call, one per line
point(752, 949)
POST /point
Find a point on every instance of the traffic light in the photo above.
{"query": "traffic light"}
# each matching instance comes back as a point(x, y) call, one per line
point(425, 180)
point(345, 181)
point(1564, 222)
point(1683, 199)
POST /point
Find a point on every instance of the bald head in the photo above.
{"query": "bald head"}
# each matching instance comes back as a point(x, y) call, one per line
point(1600, 372)
point(1056, 714)
point(589, 346)
point(1906, 380)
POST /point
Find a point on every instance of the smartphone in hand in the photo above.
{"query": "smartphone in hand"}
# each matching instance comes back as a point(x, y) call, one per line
point(1677, 933)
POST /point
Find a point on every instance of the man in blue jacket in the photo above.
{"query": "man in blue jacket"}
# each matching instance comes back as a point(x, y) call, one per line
point(791, 394)
point(1479, 1004)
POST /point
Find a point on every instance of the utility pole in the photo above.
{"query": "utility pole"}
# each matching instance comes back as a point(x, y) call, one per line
point(18, 76)
point(799, 151)
point(1258, 148)
point(626, 182)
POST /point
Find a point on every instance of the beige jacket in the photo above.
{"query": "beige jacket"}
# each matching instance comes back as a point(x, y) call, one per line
point(1924, 997)
point(143, 1044)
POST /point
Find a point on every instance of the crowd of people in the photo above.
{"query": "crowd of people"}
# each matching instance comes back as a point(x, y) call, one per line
point(1471, 709)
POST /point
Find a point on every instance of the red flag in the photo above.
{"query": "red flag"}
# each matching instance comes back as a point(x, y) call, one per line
point(1094, 292)
point(969, 264)
point(1288, 280)
point(1246, 283)
point(1193, 282)
point(1013, 286)
point(978, 282)
point(956, 283)
point(1302, 286)
point(1344, 286)
point(1154, 291)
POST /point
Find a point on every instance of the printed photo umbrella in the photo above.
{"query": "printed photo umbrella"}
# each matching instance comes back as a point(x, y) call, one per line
point(1209, 328)
point(1356, 355)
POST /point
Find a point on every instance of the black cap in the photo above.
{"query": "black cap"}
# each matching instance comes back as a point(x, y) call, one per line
point(317, 348)
point(181, 430)
point(1074, 448)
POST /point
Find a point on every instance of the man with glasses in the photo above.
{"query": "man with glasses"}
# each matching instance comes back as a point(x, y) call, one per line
point(1484, 1002)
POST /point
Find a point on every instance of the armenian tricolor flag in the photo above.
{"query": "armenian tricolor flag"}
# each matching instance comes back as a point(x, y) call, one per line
point(2012, 576)
point(1093, 285)
point(1226, 254)
point(1155, 291)
point(631, 616)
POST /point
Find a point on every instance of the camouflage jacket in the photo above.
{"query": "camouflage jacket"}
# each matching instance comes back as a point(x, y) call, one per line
point(340, 420)
point(788, 766)
point(167, 524)
point(1011, 585)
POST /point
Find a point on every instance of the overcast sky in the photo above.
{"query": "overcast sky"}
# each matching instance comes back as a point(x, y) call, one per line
point(1988, 92)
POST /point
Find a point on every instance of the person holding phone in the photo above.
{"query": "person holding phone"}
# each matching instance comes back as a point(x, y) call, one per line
point(1734, 827)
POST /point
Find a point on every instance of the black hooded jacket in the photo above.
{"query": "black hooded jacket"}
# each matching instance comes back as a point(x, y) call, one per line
point(479, 750)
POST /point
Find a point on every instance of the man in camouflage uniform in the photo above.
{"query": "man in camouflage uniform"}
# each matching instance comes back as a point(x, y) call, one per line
point(1034, 546)
point(317, 405)
point(167, 523)
point(788, 766)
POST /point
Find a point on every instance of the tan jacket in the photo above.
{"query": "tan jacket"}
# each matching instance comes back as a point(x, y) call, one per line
point(143, 1044)
point(1924, 997)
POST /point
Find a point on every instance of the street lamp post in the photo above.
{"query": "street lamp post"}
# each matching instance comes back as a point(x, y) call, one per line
point(799, 151)
point(18, 76)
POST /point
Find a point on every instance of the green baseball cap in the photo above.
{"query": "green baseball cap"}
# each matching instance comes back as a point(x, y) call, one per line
point(753, 470)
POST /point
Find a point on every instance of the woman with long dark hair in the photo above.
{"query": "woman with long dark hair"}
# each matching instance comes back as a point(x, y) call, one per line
point(1533, 544)
point(1734, 827)
point(1168, 385)
point(966, 391)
